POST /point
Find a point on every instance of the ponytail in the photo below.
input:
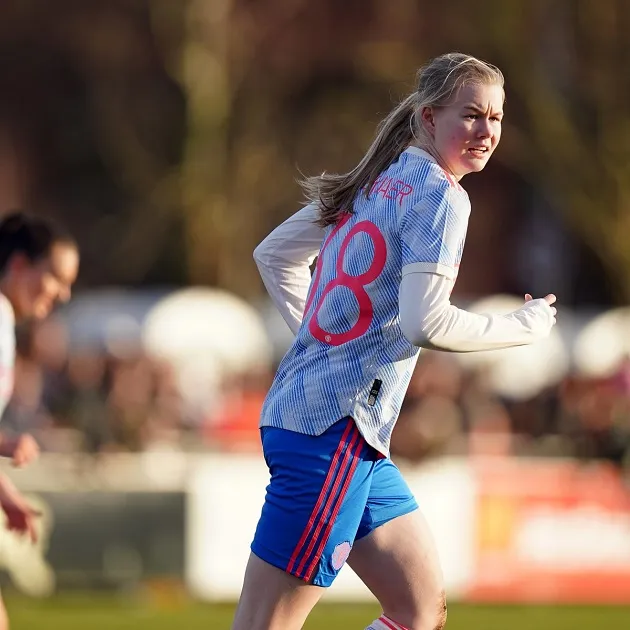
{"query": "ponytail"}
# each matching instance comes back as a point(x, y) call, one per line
point(335, 194)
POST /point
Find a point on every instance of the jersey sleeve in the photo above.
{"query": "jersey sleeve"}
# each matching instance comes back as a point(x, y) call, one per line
point(284, 260)
point(433, 232)
point(7, 353)
point(429, 320)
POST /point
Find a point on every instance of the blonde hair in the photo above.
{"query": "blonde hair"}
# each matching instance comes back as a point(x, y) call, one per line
point(437, 83)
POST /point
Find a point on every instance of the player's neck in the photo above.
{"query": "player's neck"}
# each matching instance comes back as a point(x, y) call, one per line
point(432, 151)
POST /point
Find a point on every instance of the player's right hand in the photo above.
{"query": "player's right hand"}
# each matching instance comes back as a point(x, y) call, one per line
point(538, 314)
point(21, 517)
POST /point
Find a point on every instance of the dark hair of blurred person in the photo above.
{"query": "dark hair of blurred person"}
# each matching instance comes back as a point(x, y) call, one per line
point(39, 262)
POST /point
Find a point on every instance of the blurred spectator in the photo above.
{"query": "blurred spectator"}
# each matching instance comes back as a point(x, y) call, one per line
point(89, 399)
point(431, 416)
point(235, 425)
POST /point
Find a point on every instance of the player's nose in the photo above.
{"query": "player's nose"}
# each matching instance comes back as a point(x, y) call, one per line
point(484, 128)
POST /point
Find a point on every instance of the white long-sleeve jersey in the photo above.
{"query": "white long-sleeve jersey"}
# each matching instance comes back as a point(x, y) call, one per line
point(380, 291)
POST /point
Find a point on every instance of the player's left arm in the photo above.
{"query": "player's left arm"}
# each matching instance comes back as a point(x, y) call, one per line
point(284, 259)
point(432, 236)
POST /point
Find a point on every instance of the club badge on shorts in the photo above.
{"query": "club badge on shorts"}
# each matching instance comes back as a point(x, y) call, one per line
point(340, 555)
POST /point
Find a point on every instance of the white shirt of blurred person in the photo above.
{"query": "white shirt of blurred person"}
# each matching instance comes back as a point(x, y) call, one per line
point(39, 263)
point(389, 237)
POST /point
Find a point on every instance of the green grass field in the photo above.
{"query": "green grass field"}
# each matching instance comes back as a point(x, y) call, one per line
point(100, 612)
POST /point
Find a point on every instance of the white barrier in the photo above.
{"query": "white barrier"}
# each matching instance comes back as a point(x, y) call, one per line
point(226, 493)
point(506, 529)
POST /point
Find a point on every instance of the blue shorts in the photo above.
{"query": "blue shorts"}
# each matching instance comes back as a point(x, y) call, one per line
point(326, 491)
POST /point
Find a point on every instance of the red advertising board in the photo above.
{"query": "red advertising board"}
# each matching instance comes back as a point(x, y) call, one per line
point(551, 531)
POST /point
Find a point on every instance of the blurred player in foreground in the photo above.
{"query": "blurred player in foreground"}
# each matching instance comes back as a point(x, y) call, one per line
point(389, 237)
point(38, 265)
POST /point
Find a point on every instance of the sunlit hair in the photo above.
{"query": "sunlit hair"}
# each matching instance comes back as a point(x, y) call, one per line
point(32, 236)
point(438, 83)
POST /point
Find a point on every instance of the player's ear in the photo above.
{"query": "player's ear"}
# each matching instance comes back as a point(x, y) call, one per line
point(427, 117)
point(18, 262)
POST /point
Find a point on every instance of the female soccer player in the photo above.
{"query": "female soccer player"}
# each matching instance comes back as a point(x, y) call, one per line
point(38, 265)
point(389, 237)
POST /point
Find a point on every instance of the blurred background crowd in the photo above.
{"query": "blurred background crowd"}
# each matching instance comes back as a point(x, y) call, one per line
point(121, 397)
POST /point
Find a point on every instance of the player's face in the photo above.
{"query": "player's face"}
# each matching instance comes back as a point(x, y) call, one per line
point(46, 282)
point(466, 132)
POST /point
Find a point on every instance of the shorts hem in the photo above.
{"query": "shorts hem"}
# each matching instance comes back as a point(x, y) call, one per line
point(392, 512)
point(271, 558)
point(324, 580)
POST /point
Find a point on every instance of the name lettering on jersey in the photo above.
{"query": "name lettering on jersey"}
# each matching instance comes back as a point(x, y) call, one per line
point(390, 188)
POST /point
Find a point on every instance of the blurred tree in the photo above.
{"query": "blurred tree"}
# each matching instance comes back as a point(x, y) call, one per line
point(97, 129)
point(566, 62)
point(169, 134)
point(275, 87)
point(202, 67)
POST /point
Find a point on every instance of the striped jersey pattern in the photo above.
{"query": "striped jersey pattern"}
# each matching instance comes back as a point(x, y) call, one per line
point(350, 357)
